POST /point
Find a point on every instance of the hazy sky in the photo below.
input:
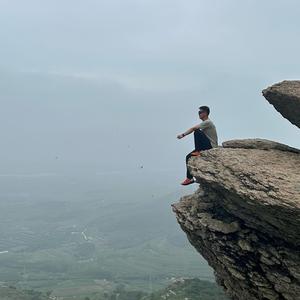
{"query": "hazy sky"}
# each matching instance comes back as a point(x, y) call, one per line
point(107, 85)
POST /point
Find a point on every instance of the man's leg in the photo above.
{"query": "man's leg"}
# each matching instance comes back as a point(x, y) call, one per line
point(189, 177)
point(202, 142)
point(188, 174)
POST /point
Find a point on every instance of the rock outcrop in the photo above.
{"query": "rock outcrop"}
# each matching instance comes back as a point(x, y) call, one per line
point(245, 217)
point(285, 96)
point(259, 144)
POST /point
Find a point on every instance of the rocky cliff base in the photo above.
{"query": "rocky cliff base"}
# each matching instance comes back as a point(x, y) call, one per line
point(245, 218)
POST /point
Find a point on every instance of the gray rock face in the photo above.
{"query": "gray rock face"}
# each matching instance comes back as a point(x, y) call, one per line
point(258, 144)
point(285, 96)
point(245, 218)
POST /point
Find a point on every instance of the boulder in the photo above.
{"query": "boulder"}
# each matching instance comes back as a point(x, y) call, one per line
point(285, 97)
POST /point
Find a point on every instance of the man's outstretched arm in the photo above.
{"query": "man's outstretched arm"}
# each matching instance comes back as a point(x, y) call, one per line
point(192, 129)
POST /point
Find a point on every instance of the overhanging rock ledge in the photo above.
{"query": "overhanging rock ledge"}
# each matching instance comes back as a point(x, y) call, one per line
point(245, 217)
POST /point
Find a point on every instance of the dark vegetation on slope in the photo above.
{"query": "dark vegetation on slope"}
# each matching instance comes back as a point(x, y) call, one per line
point(191, 289)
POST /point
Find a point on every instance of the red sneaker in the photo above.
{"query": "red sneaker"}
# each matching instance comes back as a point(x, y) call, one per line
point(188, 181)
point(195, 153)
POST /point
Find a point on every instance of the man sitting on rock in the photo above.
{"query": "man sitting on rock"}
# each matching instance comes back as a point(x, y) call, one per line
point(205, 137)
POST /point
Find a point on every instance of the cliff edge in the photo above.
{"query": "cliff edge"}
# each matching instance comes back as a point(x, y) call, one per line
point(245, 216)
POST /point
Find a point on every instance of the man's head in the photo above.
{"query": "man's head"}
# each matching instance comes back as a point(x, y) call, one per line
point(203, 112)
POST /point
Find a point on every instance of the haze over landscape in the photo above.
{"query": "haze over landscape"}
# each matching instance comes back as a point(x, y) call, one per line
point(93, 94)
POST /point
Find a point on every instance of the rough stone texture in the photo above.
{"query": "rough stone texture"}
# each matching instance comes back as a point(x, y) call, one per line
point(258, 144)
point(245, 218)
point(285, 96)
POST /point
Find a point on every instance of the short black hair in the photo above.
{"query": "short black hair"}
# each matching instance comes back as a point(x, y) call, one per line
point(205, 108)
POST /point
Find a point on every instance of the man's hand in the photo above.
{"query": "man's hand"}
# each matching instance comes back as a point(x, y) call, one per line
point(180, 136)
